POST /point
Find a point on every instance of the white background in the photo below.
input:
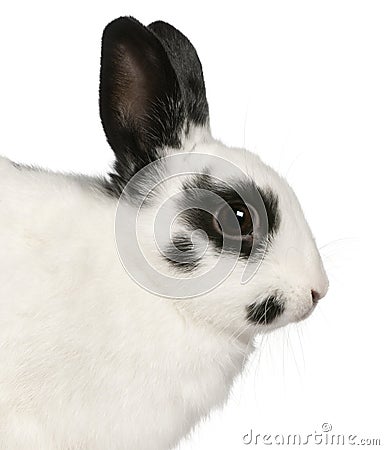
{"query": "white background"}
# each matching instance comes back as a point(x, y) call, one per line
point(302, 84)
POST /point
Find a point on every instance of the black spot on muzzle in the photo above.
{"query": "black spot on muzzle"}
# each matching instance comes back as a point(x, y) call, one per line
point(265, 312)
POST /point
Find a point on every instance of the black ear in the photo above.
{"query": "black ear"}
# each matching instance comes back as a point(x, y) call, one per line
point(141, 105)
point(188, 68)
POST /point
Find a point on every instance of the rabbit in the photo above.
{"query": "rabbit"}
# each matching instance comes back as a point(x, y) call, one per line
point(129, 303)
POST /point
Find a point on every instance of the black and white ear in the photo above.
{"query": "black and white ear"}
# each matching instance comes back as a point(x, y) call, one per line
point(188, 69)
point(141, 104)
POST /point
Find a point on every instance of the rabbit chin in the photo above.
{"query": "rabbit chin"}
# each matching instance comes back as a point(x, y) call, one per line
point(307, 314)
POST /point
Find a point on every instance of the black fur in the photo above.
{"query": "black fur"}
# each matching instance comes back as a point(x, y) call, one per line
point(271, 204)
point(181, 254)
point(187, 65)
point(141, 105)
point(151, 87)
point(197, 198)
point(265, 312)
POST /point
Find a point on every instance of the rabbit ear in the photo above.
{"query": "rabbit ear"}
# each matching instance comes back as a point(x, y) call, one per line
point(188, 68)
point(141, 106)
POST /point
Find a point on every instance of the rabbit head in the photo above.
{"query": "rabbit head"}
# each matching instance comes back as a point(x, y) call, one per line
point(211, 228)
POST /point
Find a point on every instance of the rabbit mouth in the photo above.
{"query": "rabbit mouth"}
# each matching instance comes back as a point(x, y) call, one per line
point(266, 312)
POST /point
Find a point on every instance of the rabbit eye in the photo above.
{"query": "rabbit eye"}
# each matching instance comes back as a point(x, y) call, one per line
point(231, 218)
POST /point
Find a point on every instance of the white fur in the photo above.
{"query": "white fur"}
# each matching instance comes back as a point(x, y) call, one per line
point(88, 359)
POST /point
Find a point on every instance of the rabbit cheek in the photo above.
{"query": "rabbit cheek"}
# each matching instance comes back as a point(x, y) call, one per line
point(181, 254)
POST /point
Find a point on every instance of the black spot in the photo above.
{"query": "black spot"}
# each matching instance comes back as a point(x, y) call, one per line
point(266, 312)
point(197, 199)
point(181, 254)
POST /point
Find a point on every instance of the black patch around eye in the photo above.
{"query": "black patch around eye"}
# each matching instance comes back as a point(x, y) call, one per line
point(181, 254)
point(271, 204)
point(266, 312)
point(195, 201)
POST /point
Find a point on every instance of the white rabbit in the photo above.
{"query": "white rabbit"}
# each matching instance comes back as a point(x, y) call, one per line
point(121, 324)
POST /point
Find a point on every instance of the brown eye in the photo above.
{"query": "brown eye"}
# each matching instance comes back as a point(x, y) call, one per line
point(232, 219)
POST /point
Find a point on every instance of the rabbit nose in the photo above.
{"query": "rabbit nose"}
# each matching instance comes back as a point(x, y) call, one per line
point(316, 296)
